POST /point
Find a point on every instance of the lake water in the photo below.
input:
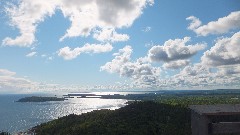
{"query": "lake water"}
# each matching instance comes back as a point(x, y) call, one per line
point(16, 116)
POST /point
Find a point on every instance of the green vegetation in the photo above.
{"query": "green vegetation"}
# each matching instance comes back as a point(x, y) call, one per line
point(164, 115)
point(4, 133)
point(187, 100)
point(140, 118)
point(40, 99)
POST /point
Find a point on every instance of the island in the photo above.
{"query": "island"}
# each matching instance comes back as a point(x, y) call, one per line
point(39, 99)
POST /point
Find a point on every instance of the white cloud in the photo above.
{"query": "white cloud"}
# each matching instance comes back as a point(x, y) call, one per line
point(176, 64)
point(31, 54)
point(226, 51)
point(96, 13)
point(174, 53)
point(232, 70)
point(69, 54)
point(9, 83)
point(111, 35)
point(141, 72)
point(195, 22)
point(199, 76)
point(26, 16)
point(195, 70)
point(222, 25)
point(4, 72)
point(174, 50)
point(84, 15)
point(121, 58)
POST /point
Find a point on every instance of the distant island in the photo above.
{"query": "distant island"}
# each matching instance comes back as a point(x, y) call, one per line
point(40, 99)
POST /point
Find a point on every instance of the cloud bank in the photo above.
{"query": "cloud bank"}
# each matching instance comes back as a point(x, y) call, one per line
point(10, 83)
point(143, 74)
point(222, 25)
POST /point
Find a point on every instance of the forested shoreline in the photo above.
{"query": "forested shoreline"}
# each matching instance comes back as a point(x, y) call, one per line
point(161, 114)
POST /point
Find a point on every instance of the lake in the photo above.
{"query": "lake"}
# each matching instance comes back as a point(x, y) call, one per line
point(18, 116)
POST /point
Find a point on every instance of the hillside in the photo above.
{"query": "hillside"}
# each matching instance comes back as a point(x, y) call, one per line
point(140, 118)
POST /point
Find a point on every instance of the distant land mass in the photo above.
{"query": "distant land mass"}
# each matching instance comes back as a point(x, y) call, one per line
point(159, 112)
point(150, 95)
point(165, 113)
point(138, 118)
point(40, 99)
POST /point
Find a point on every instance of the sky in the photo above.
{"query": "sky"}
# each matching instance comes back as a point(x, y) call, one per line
point(112, 45)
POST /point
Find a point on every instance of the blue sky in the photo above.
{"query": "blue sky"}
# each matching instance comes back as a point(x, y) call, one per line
point(87, 45)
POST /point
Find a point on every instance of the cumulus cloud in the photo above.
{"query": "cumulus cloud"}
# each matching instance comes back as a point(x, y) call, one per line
point(174, 50)
point(222, 25)
point(141, 72)
point(111, 35)
point(31, 54)
point(199, 76)
point(176, 64)
point(232, 70)
point(195, 22)
point(122, 57)
point(195, 70)
point(84, 15)
point(69, 54)
point(224, 52)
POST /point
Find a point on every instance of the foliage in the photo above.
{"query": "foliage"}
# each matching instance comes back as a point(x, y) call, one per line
point(4, 133)
point(139, 118)
point(186, 100)
point(163, 115)
point(39, 99)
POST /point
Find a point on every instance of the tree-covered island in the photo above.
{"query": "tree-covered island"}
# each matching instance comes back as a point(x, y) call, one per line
point(39, 99)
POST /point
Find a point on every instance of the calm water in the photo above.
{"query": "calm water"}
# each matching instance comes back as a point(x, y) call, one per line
point(15, 116)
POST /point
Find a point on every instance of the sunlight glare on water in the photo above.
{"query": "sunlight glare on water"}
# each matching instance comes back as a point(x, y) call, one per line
point(16, 116)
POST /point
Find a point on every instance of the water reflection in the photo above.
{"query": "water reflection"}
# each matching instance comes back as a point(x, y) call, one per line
point(53, 110)
point(21, 116)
